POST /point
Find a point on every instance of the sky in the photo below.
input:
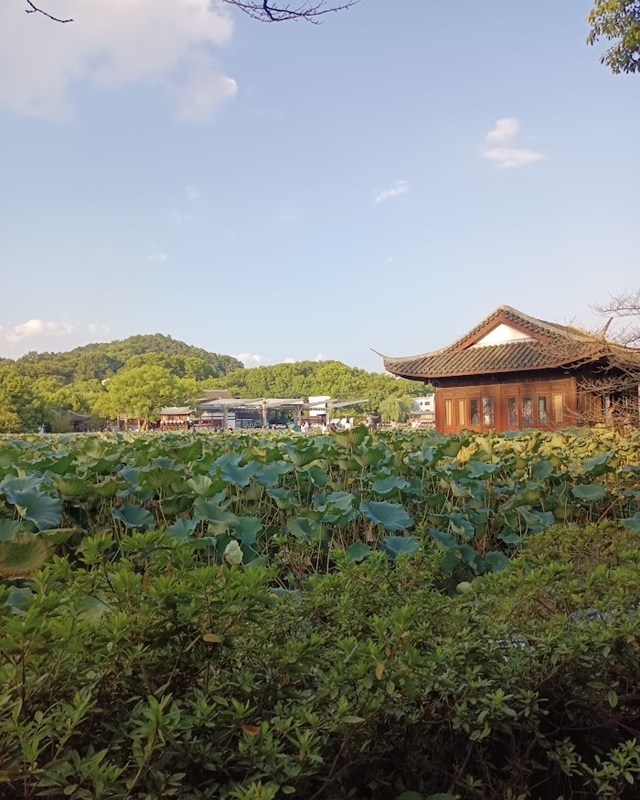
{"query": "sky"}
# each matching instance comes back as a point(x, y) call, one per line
point(294, 191)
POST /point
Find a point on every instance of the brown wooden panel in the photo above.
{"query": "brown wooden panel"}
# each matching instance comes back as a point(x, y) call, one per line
point(485, 406)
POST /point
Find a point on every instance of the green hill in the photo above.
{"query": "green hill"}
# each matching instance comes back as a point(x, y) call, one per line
point(100, 361)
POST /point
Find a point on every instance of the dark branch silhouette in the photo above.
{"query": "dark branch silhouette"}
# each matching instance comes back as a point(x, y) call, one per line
point(263, 10)
point(266, 11)
point(35, 10)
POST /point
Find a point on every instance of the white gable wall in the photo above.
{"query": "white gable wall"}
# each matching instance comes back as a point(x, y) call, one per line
point(502, 334)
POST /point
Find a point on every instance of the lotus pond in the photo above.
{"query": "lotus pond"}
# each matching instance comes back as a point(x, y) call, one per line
point(249, 498)
point(389, 616)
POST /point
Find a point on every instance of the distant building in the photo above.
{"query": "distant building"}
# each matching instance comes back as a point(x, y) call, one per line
point(174, 418)
point(424, 405)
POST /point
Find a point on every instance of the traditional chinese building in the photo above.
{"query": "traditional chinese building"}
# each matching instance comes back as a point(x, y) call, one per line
point(513, 372)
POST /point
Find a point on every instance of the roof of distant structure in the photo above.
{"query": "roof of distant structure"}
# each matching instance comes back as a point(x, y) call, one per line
point(174, 410)
point(534, 344)
point(268, 402)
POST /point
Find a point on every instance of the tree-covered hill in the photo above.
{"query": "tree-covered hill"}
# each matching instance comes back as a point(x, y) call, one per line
point(305, 378)
point(99, 361)
point(136, 376)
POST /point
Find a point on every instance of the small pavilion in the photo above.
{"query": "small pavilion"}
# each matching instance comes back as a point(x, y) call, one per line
point(513, 372)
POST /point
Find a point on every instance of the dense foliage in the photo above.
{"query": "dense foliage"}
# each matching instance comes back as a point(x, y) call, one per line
point(617, 21)
point(305, 378)
point(137, 376)
point(354, 615)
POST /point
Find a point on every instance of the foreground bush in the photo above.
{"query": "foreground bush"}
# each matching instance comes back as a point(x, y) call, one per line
point(154, 676)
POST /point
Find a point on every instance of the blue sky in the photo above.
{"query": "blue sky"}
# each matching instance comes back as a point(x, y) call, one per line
point(294, 191)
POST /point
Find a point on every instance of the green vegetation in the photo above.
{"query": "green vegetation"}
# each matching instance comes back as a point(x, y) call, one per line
point(617, 21)
point(137, 376)
point(305, 378)
point(248, 617)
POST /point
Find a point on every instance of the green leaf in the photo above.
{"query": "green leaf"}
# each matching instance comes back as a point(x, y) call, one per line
point(461, 525)
point(8, 529)
point(212, 512)
point(133, 516)
point(351, 719)
point(247, 530)
point(25, 554)
point(19, 600)
point(318, 476)
point(357, 552)
point(285, 498)
point(40, 508)
point(536, 520)
point(269, 474)
point(202, 485)
point(182, 529)
point(496, 560)
point(481, 469)
point(441, 796)
point(541, 469)
point(71, 485)
point(393, 516)
point(509, 536)
point(396, 546)
point(589, 491)
point(239, 476)
point(445, 539)
point(93, 607)
point(633, 523)
point(305, 529)
point(598, 465)
point(389, 484)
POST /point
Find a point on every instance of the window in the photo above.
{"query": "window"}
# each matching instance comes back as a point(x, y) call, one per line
point(527, 410)
point(448, 413)
point(462, 413)
point(543, 414)
point(487, 412)
point(558, 408)
point(512, 412)
point(474, 411)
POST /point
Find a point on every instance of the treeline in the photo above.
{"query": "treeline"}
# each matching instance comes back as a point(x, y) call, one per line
point(137, 376)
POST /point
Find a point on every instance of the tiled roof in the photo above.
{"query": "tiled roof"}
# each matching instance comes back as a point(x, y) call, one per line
point(550, 345)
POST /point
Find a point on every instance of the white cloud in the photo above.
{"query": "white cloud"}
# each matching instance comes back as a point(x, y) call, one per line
point(35, 328)
point(157, 256)
point(192, 193)
point(501, 150)
point(320, 357)
point(503, 131)
point(162, 44)
point(399, 189)
point(290, 361)
point(95, 327)
point(249, 358)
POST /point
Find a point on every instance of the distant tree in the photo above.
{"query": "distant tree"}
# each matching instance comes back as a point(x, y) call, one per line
point(396, 409)
point(305, 378)
point(21, 409)
point(617, 21)
point(100, 361)
point(139, 393)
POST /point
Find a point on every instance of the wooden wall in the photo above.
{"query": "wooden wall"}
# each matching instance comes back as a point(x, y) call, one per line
point(516, 402)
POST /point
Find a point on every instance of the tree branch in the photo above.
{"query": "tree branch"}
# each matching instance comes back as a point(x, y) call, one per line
point(35, 10)
point(263, 10)
point(267, 11)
